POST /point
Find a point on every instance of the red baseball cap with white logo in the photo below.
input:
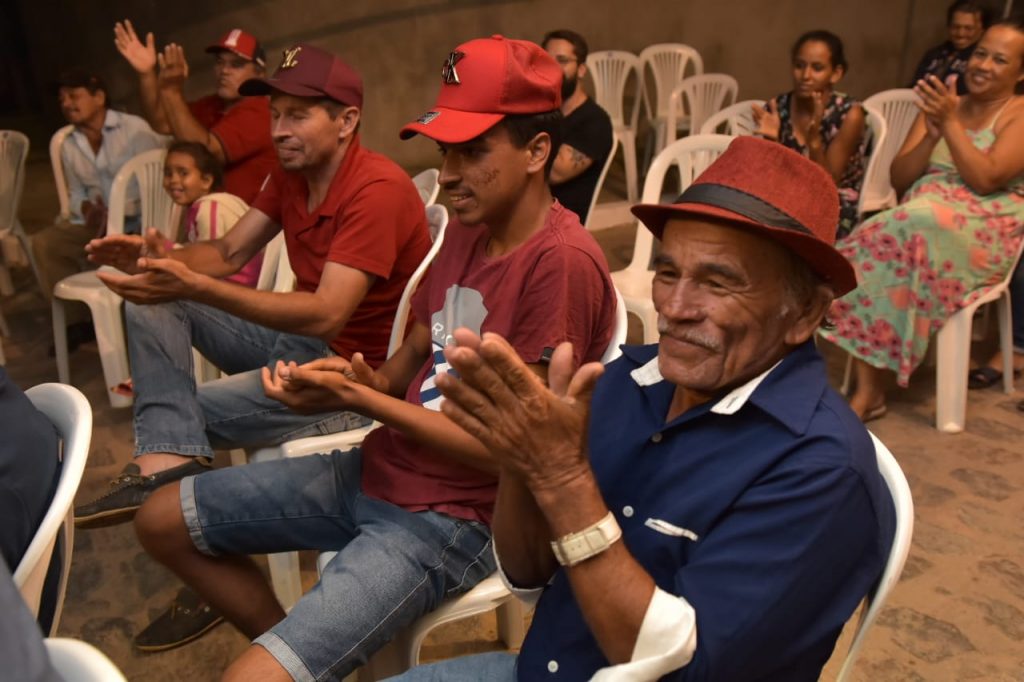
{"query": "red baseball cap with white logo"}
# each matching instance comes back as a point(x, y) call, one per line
point(241, 43)
point(483, 81)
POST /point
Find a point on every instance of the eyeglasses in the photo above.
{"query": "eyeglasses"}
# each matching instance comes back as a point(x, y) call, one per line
point(563, 60)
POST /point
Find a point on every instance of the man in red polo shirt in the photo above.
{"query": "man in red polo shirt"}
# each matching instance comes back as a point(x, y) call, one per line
point(408, 511)
point(355, 230)
point(235, 129)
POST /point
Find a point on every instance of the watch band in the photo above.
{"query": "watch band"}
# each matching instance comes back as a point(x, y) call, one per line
point(576, 547)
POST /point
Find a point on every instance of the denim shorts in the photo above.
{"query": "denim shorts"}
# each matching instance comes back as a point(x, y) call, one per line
point(392, 565)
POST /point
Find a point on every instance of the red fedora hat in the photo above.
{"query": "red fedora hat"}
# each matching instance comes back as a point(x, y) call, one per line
point(766, 188)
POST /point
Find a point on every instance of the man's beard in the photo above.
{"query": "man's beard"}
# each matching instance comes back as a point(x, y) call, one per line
point(568, 86)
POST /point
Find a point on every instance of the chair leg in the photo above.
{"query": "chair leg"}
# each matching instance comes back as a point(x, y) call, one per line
point(952, 363)
point(847, 376)
point(511, 625)
point(1005, 313)
point(106, 319)
point(60, 341)
point(285, 578)
point(629, 160)
point(26, 246)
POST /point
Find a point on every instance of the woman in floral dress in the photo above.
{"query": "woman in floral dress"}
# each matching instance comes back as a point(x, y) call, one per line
point(956, 231)
point(824, 125)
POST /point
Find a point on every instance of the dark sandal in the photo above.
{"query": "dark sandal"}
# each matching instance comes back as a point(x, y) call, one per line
point(983, 377)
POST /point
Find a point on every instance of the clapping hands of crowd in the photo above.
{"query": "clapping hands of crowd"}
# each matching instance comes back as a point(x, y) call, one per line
point(150, 276)
point(767, 121)
point(938, 102)
point(535, 431)
point(144, 57)
point(323, 385)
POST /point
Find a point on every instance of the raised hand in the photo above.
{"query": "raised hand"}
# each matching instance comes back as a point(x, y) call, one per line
point(767, 121)
point(141, 56)
point(173, 67)
point(535, 431)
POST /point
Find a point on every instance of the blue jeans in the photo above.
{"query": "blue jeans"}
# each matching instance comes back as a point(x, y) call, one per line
point(493, 667)
point(173, 415)
point(392, 565)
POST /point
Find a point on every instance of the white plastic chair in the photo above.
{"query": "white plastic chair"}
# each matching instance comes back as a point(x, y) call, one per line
point(13, 154)
point(668, 64)
point(157, 210)
point(70, 413)
point(701, 97)
point(691, 155)
point(899, 109)
point(427, 185)
point(78, 661)
point(56, 142)
point(601, 178)
point(904, 504)
point(611, 71)
point(875, 166)
point(735, 119)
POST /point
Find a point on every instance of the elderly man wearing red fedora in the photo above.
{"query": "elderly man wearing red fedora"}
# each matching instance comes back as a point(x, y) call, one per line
point(708, 508)
point(235, 129)
point(408, 511)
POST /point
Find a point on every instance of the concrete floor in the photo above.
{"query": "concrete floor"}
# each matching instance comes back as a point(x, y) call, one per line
point(957, 614)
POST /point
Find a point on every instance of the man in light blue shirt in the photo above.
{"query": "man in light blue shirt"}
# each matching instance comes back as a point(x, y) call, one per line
point(102, 141)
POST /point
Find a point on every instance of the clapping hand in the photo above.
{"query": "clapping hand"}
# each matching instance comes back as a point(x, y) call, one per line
point(938, 102)
point(141, 56)
point(173, 67)
point(536, 432)
point(123, 251)
point(323, 385)
point(767, 121)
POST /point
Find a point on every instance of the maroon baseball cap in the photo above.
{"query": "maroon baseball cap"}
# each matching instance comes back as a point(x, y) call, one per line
point(241, 43)
point(484, 80)
point(769, 189)
point(308, 71)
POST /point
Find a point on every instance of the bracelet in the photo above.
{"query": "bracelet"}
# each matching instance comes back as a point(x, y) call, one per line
point(577, 547)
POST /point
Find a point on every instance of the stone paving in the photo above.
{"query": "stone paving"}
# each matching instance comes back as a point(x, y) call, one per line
point(957, 613)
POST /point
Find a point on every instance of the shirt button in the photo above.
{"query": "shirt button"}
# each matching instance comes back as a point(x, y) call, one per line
point(656, 438)
point(552, 666)
point(627, 511)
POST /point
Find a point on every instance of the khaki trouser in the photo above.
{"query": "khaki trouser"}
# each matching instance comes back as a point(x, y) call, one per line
point(60, 252)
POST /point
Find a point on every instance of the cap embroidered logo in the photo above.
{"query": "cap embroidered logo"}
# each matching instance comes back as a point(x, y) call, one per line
point(428, 117)
point(290, 60)
point(232, 39)
point(448, 72)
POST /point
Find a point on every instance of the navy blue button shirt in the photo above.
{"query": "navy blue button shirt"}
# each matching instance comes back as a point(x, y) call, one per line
point(791, 519)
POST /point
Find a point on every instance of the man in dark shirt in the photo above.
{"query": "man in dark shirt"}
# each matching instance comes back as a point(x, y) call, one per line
point(965, 21)
point(586, 130)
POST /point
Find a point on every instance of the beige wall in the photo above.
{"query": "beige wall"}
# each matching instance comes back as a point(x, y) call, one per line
point(399, 45)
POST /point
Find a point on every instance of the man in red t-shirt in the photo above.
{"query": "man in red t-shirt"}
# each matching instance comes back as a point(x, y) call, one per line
point(234, 128)
point(408, 511)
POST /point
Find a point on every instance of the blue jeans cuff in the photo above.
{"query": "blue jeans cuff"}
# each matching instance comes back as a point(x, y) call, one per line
point(187, 495)
point(175, 449)
point(288, 659)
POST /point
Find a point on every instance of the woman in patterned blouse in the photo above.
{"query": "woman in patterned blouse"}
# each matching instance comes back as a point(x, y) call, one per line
point(822, 124)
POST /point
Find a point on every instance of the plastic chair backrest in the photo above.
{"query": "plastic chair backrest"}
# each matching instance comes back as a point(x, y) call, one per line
point(701, 96)
point(271, 261)
point(610, 71)
point(668, 63)
point(61, 182)
point(899, 109)
point(600, 179)
point(690, 155)
point(70, 413)
point(878, 137)
point(156, 207)
point(614, 349)
point(737, 119)
point(904, 504)
point(427, 185)
point(284, 276)
point(78, 661)
point(13, 153)
point(437, 221)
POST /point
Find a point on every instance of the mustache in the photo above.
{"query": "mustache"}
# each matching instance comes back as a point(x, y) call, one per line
point(690, 335)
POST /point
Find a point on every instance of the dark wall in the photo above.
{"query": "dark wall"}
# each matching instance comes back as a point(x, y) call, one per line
point(399, 45)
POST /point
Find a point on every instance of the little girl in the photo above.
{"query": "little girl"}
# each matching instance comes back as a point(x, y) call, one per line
point(191, 173)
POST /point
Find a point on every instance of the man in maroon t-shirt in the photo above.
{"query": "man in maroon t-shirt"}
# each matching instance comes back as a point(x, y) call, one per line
point(234, 128)
point(408, 511)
